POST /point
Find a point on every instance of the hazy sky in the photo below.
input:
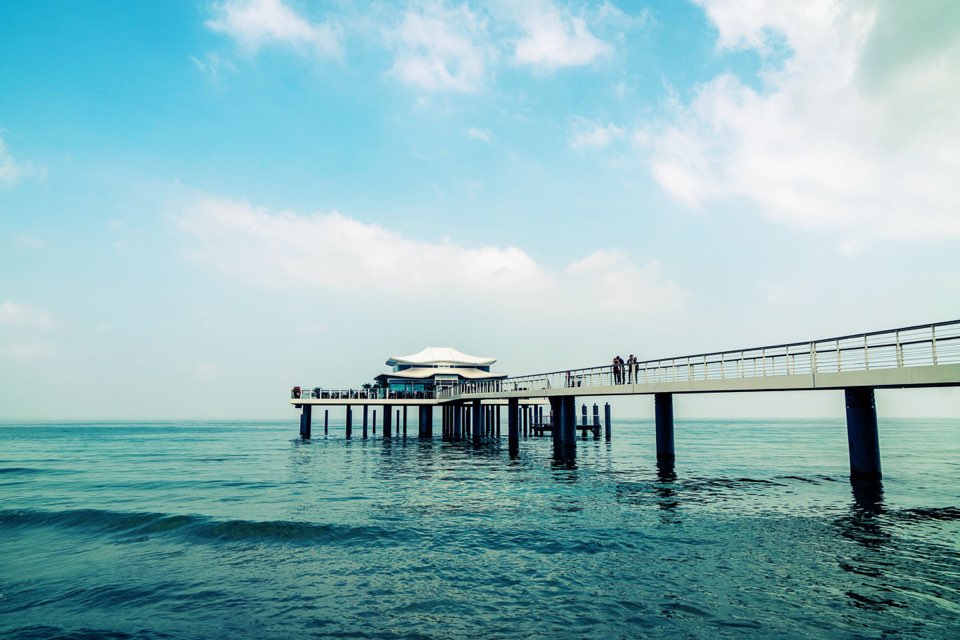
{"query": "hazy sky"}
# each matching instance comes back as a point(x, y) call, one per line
point(204, 203)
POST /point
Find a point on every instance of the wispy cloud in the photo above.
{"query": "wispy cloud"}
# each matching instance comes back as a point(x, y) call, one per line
point(554, 38)
point(439, 48)
point(21, 315)
point(13, 171)
point(331, 251)
point(258, 23)
point(589, 133)
point(840, 136)
point(484, 135)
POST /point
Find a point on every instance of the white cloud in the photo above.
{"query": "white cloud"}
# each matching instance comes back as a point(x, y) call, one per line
point(26, 350)
point(21, 315)
point(257, 23)
point(12, 171)
point(588, 133)
point(612, 281)
point(484, 135)
point(837, 137)
point(554, 38)
point(330, 251)
point(441, 49)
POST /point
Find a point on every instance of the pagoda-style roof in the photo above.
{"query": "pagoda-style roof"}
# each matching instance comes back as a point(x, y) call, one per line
point(423, 373)
point(440, 356)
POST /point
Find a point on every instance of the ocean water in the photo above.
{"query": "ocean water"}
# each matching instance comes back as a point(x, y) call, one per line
point(240, 530)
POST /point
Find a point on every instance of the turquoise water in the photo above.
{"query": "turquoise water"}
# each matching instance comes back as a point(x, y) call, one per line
point(240, 530)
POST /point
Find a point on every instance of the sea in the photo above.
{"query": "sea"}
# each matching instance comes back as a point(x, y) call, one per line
point(242, 530)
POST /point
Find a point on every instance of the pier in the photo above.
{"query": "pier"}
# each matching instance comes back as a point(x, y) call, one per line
point(908, 357)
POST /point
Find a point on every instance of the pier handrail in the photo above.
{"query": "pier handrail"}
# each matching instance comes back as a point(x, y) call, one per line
point(911, 346)
point(379, 393)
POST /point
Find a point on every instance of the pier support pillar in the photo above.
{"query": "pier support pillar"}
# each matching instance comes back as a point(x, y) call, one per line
point(564, 410)
point(306, 420)
point(606, 421)
point(425, 429)
point(457, 421)
point(349, 422)
point(477, 421)
point(326, 421)
point(497, 420)
point(374, 422)
point(365, 412)
point(513, 424)
point(596, 421)
point(663, 407)
point(525, 418)
point(387, 421)
point(404, 421)
point(862, 437)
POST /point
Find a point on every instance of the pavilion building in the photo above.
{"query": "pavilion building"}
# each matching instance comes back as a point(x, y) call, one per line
point(434, 368)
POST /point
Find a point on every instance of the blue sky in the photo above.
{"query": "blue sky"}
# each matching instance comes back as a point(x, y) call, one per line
point(203, 203)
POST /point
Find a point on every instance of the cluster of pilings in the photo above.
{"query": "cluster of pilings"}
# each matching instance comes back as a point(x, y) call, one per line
point(473, 420)
point(391, 420)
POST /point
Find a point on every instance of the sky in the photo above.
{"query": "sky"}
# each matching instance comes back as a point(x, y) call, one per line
point(203, 203)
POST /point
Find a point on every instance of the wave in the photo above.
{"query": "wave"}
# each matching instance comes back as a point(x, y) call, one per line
point(135, 524)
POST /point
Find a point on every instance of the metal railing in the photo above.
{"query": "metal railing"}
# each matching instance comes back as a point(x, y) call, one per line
point(320, 393)
point(919, 345)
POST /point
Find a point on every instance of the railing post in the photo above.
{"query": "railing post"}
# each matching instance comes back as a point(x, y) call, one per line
point(899, 351)
point(813, 357)
point(933, 343)
point(866, 354)
point(839, 357)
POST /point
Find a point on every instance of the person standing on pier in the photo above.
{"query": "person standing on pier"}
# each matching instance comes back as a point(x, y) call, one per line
point(632, 363)
point(617, 370)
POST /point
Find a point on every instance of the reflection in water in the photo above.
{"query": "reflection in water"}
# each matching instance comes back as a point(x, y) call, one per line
point(666, 469)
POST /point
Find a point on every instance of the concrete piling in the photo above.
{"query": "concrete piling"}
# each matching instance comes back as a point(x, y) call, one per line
point(326, 421)
point(863, 439)
point(606, 420)
point(513, 424)
point(477, 420)
point(387, 421)
point(663, 408)
point(306, 420)
point(349, 423)
point(365, 411)
point(459, 419)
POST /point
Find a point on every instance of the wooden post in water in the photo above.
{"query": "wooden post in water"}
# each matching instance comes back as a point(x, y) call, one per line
point(404, 421)
point(497, 420)
point(863, 440)
point(387, 421)
point(349, 422)
point(374, 422)
point(457, 420)
point(606, 420)
point(526, 420)
point(596, 421)
point(663, 407)
point(326, 421)
point(365, 411)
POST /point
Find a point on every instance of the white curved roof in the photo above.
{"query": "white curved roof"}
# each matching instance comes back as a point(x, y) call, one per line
point(427, 372)
point(440, 356)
